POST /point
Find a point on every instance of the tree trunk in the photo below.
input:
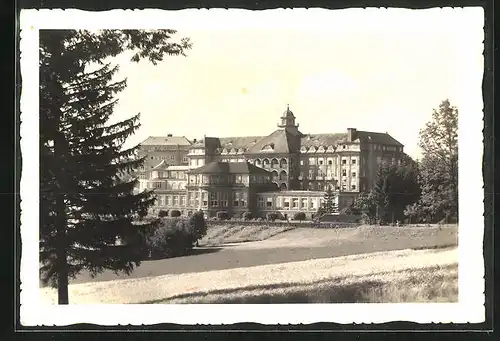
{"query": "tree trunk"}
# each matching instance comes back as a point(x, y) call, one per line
point(61, 252)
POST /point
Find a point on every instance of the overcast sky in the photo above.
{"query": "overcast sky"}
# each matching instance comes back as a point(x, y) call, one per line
point(376, 70)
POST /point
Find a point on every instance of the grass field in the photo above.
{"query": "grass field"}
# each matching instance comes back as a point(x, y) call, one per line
point(393, 276)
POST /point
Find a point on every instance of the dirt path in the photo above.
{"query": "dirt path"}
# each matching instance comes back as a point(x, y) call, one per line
point(292, 246)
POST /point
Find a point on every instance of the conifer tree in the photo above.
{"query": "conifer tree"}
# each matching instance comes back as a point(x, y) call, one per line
point(86, 201)
point(328, 205)
point(396, 187)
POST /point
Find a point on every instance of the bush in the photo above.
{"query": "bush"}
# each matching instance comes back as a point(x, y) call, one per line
point(272, 216)
point(299, 216)
point(222, 215)
point(247, 215)
point(175, 213)
point(162, 214)
point(198, 226)
point(172, 238)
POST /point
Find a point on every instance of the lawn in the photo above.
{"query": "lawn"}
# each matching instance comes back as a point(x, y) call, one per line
point(237, 233)
point(392, 276)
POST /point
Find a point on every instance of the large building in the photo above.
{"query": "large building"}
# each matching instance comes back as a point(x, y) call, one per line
point(286, 171)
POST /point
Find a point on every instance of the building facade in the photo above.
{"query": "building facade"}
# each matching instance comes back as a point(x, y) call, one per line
point(299, 168)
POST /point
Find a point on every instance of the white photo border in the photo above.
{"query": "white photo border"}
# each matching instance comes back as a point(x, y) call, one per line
point(470, 308)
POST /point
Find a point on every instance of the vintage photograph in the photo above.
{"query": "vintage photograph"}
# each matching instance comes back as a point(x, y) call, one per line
point(243, 157)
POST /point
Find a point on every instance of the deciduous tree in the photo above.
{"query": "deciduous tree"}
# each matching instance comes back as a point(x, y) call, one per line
point(439, 165)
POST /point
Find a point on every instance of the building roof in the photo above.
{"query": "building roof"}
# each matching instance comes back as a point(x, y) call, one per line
point(244, 142)
point(180, 167)
point(316, 140)
point(161, 165)
point(279, 141)
point(166, 141)
point(380, 138)
point(229, 168)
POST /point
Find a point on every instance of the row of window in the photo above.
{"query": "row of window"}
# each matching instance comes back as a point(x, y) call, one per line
point(287, 203)
point(387, 148)
point(169, 157)
point(320, 162)
point(216, 199)
point(228, 179)
point(320, 186)
point(329, 174)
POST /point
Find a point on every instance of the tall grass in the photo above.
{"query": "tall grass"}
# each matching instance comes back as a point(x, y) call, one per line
point(433, 284)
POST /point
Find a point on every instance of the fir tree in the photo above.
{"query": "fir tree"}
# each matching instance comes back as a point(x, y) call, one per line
point(328, 205)
point(396, 187)
point(87, 202)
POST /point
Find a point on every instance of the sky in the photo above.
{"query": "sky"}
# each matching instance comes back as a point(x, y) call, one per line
point(378, 70)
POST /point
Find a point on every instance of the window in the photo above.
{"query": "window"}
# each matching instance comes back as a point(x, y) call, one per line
point(157, 184)
point(330, 162)
point(236, 199)
point(312, 161)
point(344, 146)
point(224, 199)
point(353, 161)
point(197, 198)
point(320, 162)
point(344, 161)
point(176, 200)
point(169, 200)
point(214, 202)
point(162, 200)
point(191, 199)
point(238, 179)
point(301, 174)
point(301, 162)
point(304, 203)
point(311, 173)
point(260, 202)
point(243, 201)
point(183, 200)
point(269, 203)
point(353, 174)
point(344, 173)
point(353, 187)
point(205, 198)
point(295, 203)
point(287, 203)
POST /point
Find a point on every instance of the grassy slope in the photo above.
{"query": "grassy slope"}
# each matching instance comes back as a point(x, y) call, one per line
point(224, 234)
point(281, 236)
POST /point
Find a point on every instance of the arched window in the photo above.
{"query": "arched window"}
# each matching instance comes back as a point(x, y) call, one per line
point(283, 176)
point(274, 163)
point(283, 163)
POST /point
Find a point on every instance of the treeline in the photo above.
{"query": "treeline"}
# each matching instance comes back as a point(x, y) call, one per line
point(424, 191)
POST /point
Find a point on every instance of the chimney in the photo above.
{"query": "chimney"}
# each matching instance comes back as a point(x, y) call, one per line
point(351, 134)
point(169, 135)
